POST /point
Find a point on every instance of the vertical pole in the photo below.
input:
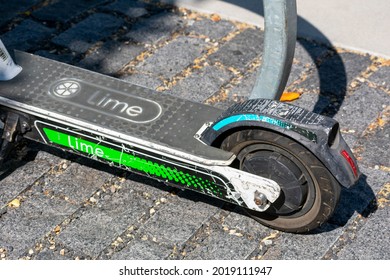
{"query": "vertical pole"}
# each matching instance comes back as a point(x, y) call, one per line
point(279, 45)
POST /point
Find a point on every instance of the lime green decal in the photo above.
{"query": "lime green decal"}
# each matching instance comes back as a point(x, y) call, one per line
point(132, 161)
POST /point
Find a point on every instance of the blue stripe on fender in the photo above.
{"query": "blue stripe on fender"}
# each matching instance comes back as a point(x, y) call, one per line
point(248, 117)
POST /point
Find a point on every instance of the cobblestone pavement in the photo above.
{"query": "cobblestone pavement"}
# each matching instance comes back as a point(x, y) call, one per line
point(59, 206)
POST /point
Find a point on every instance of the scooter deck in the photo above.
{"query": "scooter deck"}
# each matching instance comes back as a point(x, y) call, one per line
point(61, 93)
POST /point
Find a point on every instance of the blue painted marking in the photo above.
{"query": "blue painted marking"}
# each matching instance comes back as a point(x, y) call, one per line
point(249, 117)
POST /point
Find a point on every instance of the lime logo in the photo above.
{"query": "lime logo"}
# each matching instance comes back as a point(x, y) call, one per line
point(66, 89)
point(97, 100)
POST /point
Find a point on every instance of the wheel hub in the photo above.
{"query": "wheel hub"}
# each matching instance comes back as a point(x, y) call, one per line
point(279, 165)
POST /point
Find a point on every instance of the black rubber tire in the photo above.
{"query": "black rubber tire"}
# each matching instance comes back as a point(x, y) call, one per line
point(309, 193)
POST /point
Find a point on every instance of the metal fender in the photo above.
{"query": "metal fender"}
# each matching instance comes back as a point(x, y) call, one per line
point(319, 134)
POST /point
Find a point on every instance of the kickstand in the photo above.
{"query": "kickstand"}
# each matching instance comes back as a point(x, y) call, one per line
point(10, 135)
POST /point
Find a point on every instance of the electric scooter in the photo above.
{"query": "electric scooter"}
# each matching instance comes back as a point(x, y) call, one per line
point(283, 164)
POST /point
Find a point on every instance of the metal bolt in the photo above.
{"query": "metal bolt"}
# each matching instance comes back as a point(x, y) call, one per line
point(260, 199)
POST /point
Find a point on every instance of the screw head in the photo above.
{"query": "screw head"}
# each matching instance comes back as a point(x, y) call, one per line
point(260, 199)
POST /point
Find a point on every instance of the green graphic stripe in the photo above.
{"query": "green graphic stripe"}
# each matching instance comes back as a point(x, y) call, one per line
point(134, 162)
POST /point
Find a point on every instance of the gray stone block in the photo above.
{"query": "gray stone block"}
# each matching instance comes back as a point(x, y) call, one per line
point(111, 57)
point(309, 53)
point(298, 70)
point(66, 58)
point(240, 51)
point(12, 9)
point(356, 199)
point(361, 109)
point(26, 36)
point(77, 182)
point(335, 74)
point(244, 88)
point(143, 250)
point(173, 58)
point(372, 241)
point(22, 227)
point(313, 102)
point(144, 80)
point(241, 222)
point(64, 11)
point(215, 30)
point(88, 32)
point(305, 246)
point(100, 224)
point(156, 28)
point(132, 9)
point(221, 245)
point(47, 254)
point(178, 221)
point(306, 56)
point(375, 147)
point(201, 84)
point(24, 176)
point(381, 77)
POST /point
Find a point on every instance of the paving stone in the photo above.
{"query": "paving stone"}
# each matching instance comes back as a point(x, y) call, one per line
point(144, 80)
point(244, 88)
point(201, 84)
point(376, 147)
point(313, 102)
point(66, 58)
point(309, 53)
point(15, 8)
point(306, 55)
point(353, 114)
point(143, 250)
point(213, 29)
point(24, 176)
point(220, 245)
point(111, 57)
point(156, 28)
point(22, 227)
point(89, 31)
point(22, 37)
point(101, 224)
point(178, 221)
point(149, 188)
point(355, 200)
point(174, 57)
point(372, 241)
point(298, 70)
point(132, 9)
point(240, 51)
point(303, 246)
point(335, 74)
point(77, 182)
point(64, 11)
point(47, 254)
point(245, 224)
point(381, 77)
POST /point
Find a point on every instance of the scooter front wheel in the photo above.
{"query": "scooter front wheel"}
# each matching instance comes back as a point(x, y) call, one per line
point(309, 192)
